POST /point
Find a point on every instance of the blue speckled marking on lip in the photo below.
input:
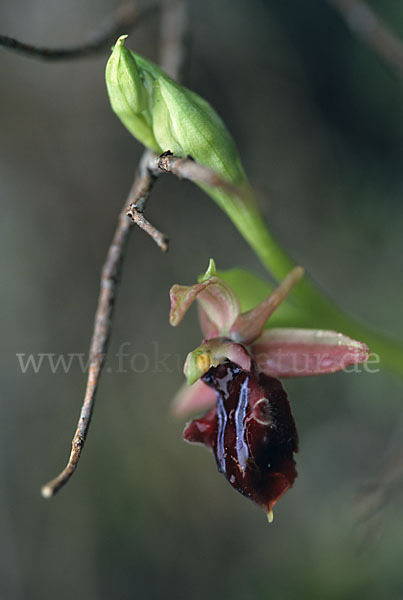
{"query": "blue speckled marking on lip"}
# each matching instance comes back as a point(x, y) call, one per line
point(240, 413)
point(222, 423)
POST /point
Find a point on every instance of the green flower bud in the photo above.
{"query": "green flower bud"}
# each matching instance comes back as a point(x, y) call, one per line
point(128, 94)
point(166, 116)
point(187, 125)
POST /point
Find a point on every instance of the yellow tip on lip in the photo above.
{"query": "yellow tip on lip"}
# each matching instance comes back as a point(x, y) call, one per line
point(270, 516)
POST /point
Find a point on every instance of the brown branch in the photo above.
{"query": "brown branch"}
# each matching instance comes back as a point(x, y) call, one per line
point(140, 191)
point(183, 168)
point(139, 219)
point(137, 204)
point(363, 21)
point(146, 176)
point(187, 168)
point(126, 18)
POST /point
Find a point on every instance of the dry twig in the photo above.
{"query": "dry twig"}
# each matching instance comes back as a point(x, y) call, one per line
point(183, 168)
point(187, 168)
point(140, 191)
point(125, 19)
point(363, 21)
point(139, 195)
point(137, 216)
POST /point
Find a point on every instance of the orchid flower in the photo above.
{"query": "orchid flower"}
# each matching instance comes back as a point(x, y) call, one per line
point(234, 371)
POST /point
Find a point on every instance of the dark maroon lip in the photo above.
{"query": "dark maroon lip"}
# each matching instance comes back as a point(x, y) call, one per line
point(250, 431)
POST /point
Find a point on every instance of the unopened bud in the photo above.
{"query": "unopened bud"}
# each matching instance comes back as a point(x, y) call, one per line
point(128, 95)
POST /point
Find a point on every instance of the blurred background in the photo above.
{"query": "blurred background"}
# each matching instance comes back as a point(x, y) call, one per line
point(318, 118)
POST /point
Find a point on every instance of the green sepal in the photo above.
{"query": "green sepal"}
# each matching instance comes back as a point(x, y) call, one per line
point(210, 272)
point(128, 94)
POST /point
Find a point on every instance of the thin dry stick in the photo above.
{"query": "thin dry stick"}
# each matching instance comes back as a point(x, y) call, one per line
point(363, 21)
point(183, 168)
point(140, 191)
point(124, 20)
point(187, 168)
point(137, 216)
point(139, 195)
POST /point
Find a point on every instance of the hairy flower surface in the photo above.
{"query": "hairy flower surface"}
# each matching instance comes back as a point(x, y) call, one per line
point(249, 427)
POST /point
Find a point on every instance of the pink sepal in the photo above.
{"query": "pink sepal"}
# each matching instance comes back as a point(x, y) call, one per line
point(193, 398)
point(300, 352)
point(216, 298)
point(249, 325)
